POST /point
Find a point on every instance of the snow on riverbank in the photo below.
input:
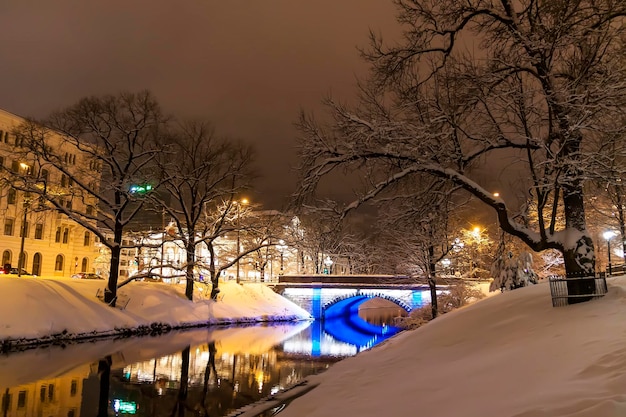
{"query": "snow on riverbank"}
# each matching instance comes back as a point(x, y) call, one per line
point(510, 355)
point(37, 310)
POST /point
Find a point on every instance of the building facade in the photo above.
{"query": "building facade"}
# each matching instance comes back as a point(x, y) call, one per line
point(51, 244)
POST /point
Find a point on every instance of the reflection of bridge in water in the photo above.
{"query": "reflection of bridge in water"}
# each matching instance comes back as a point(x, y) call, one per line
point(334, 301)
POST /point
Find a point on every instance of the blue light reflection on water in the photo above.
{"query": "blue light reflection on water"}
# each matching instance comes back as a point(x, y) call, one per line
point(339, 336)
point(339, 330)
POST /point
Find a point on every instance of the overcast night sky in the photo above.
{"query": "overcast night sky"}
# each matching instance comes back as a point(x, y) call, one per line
point(248, 67)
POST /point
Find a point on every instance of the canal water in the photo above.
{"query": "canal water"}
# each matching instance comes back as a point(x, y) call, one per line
point(208, 372)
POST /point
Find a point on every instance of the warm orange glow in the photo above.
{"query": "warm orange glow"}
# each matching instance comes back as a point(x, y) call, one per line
point(496, 194)
point(244, 201)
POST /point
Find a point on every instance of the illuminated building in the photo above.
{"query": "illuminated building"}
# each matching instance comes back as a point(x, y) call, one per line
point(53, 245)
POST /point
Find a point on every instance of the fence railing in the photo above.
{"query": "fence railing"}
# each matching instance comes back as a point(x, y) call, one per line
point(561, 296)
point(616, 269)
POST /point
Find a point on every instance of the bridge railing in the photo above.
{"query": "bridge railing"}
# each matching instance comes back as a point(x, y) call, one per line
point(349, 279)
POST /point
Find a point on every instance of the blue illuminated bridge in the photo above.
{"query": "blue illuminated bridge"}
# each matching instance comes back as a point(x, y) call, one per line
point(329, 296)
point(334, 300)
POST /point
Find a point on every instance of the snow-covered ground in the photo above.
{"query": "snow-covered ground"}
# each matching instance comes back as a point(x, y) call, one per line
point(512, 354)
point(508, 355)
point(39, 309)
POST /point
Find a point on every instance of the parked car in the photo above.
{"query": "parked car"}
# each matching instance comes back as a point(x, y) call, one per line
point(14, 271)
point(86, 275)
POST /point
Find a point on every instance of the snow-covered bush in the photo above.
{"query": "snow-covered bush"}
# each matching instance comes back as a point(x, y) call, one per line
point(511, 273)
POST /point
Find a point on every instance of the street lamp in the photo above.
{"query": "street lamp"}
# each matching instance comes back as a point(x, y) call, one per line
point(328, 263)
point(239, 203)
point(281, 249)
point(607, 236)
point(21, 263)
point(497, 195)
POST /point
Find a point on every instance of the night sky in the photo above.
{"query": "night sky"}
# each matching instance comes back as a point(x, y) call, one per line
point(246, 66)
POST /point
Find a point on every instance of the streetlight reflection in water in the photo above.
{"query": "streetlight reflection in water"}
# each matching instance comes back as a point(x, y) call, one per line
point(202, 372)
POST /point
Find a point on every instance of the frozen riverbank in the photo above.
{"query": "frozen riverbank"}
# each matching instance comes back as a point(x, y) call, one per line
point(37, 311)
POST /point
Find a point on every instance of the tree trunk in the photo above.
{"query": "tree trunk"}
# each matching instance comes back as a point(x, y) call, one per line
point(432, 281)
point(580, 258)
point(104, 373)
point(214, 276)
point(110, 293)
point(579, 267)
point(191, 262)
point(183, 391)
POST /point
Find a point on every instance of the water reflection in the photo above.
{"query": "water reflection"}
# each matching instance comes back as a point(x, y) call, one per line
point(347, 334)
point(381, 312)
point(209, 372)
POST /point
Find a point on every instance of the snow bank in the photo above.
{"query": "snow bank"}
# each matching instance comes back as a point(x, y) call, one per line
point(512, 354)
point(38, 310)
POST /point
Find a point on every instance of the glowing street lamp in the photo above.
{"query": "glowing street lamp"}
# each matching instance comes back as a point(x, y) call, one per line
point(607, 236)
point(496, 195)
point(281, 249)
point(328, 263)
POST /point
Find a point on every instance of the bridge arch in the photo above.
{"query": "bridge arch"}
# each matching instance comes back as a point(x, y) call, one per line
point(348, 304)
point(343, 323)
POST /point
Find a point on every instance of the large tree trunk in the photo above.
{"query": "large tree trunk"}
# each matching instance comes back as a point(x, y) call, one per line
point(579, 266)
point(579, 256)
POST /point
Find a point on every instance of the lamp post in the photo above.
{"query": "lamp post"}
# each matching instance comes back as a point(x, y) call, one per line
point(497, 195)
point(501, 233)
point(281, 249)
point(21, 261)
point(328, 263)
point(239, 203)
point(607, 236)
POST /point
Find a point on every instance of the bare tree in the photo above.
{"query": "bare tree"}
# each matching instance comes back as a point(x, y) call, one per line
point(115, 141)
point(318, 235)
point(258, 231)
point(200, 171)
point(544, 78)
point(417, 229)
point(608, 189)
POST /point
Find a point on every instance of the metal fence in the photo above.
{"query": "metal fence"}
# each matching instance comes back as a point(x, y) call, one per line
point(560, 296)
